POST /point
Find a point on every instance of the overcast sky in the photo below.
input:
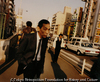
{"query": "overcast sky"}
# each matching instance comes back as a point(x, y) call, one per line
point(35, 10)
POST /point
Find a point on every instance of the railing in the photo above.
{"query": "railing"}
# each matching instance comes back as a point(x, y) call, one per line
point(80, 62)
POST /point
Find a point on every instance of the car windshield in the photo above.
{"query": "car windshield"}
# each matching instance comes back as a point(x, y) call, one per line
point(97, 45)
point(86, 45)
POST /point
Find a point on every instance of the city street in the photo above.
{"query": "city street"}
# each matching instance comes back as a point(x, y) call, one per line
point(62, 69)
point(73, 25)
point(88, 58)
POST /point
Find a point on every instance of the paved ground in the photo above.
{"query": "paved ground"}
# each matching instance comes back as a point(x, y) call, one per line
point(60, 70)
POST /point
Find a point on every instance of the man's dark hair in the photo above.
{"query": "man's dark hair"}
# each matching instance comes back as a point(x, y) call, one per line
point(43, 21)
point(60, 34)
point(29, 23)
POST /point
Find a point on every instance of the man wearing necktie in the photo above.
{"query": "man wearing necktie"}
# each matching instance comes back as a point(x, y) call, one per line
point(31, 52)
point(57, 44)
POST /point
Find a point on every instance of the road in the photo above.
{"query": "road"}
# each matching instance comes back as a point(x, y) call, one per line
point(62, 69)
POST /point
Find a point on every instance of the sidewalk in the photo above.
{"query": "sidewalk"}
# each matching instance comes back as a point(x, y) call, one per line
point(60, 70)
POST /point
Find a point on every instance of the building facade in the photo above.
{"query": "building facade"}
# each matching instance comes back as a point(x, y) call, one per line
point(7, 18)
point(68, 15)
point(59, 21)
point(76, 21)
point(2, 18)
point(96, 30)
point(19, 22)
point(10, 19)
point(90, 21)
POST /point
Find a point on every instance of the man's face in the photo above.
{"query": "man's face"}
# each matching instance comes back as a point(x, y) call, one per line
point(44, 30)
point(60, 36)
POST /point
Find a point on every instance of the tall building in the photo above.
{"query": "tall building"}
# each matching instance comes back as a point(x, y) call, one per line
point(68, 15)
point(10, 18)
point(7, 17)
point(2, 18)
point(19, 21)
point(96, 31)
point(90, 28)
point(58, 21)
point(50, 20)
point(75, 25)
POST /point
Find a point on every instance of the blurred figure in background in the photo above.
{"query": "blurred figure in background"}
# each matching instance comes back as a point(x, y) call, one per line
point(57, 44)
point(26, 30)
point(29, 28)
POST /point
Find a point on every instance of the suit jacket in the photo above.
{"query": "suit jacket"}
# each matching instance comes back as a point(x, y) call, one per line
point(28, 30)
point(26, 51)
point(95, 70)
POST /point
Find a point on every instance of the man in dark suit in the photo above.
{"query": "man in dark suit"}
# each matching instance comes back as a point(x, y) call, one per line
point(26, 30)
point(31, 52)
point(57, 44)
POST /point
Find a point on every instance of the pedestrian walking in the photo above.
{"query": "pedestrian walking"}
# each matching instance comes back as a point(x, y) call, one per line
point(57, 44)
point(26, 30)
point(31, 52)
point(29, 28)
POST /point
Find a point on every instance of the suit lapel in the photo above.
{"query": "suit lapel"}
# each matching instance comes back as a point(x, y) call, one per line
point(44, 43)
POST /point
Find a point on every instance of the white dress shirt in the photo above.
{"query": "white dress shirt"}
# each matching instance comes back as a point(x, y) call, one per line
point(38, 55)
point(54, 43)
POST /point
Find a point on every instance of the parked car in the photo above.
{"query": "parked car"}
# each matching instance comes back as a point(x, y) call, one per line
point(96, 45)
point(83, 48)
point(73, 39)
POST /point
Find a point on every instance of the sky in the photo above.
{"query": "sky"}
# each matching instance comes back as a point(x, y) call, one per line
point(35, 10)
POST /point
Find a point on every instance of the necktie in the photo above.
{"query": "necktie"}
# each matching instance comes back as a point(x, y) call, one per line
point(38, 49)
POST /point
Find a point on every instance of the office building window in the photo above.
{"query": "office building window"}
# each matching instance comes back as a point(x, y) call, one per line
point(98, 25)
point(96, 39)
point(98, 32)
